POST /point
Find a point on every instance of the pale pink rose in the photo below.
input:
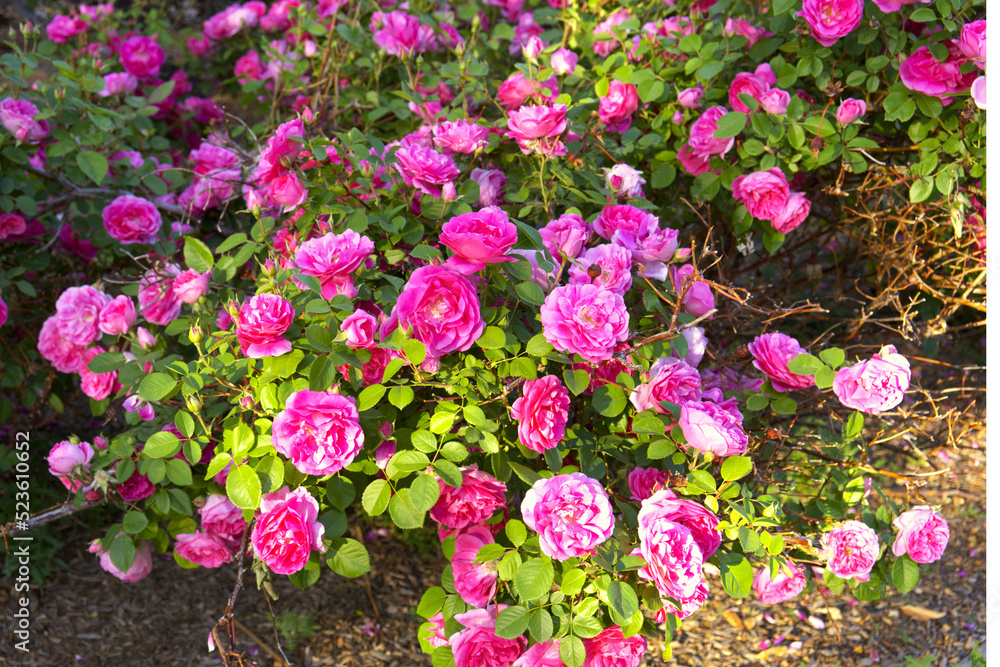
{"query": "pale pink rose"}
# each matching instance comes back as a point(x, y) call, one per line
point(794, 214)
point(612, 265)
point(138, 406)
point(543, 654)
point(691, 163)
point(69, 458)
point(604, 48)
point(517, 89)
point(204, 549)
point(644, 482)
point(978, 92)
point(287, 530)
point(118, 83)
point(699, 299)
point(533, 47)
point(542, 413)
point(610, 648)
point(199, 46)
point(876, 385)
point(287, 191)
point(97, 386)
point(426, 169)
point(702, 523)
point(332, 258)
point(479, 238)
point(318, 431)
point(141, 566)
point(230, 21)
point(702, 141)
point(220, 515)
point(285, 145)
point(262, 321)
point(571, 513)
point(478, 645)
point(625, 181)
point(688, 605)
point(652, 248)
point(829, 20)
point(11, 224)
point(764, 193)
point(62, 28)
point(402, 35)
point(536, 128)
point(771, 353)
point(157, 301)
point(622, 217)
point(616, 108)
point(461, 137)
point(475, 582)
point(64, 355)
point(766, 74)
point(145, 339)
point(18, 118)
point(923, 534)
point(440, 308)
point(923, 72)
point(360, 327)
point(753, 34)
point(78, 310)
point(972, 42)
point(851, 549)
point(142, 56)
point(491, 183)
point(565, 236)
point(668, 379)
point(775, 101)
point(96, 12)
point(690, 98)
point(713, 427)
point(673, 558)
point(585, 320)
point(129, 219)
point(475, 501)
point(435, 629)
point(563, 61)
point(850, 110)
point(191, 286)
point(384, 452)
point(783, 587)
point(747, 84)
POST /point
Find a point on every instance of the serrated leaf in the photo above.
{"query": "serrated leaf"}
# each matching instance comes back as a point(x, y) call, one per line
point(516, 531)
point(493, 338)
point(134, 522)
point(243, 487)
point(401, 395)
point(156, 386)
point(431, 601)
point(350, 559)
point(736, 467)
point(833, 356)
point(403, 513)
point(197, 255)
point(572, 651)
point(737, 574)
point(375, 499)
point(534, 578)
point(730, 125)
point(512, 622)
point(106, 362)
point(424, 492)
point(122, 553)
point(93, 165)
point(623, 599)
point(576, 381)
point(370, 396)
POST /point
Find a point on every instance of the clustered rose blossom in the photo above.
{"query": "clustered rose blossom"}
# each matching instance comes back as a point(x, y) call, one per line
point(129, 219)
point(427, 170)
point(923, 534)
point(142, 56)
point(478, 645)
point(668, 379)
point(204, 549)
point(608, 265)
point(701, 140)
point(475, 501)
point(140, 568)
point(318, 431)
point(542, 412)
point(923, 73)
point(713, 426)
point(97, 386)
point(461, 137)
point(787, 583)
point(332, 258)
point(829, 20)
point(491, 183)
point(876, 385)
point(66, 459)
point(537, 128)
point(401, 34)
point(287, 530)
point(542, 654)
point(698, 298)
point(476, 583)
point(740, 27)
point(585, 320)
point(615, 109)
point(18, 118)
point(764, 193)
point(604, 40)
point(571, 513)
point(479, 238)
point(11, 224)
point(610, 648)
point(158, 302)
point(219, 515)
point(644, 482)
point(565, 236)
point(262, 321)
point(771, 354)
point(518, 89)
point(851, 549)
point(625, 181)
point(63, 28)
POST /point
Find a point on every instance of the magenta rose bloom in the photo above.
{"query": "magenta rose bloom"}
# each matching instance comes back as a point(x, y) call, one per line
point(764, 193)
point(97, 386)
point(461, 137)
point(158, 302)
point(61, 28)
point(542, 413)
point(474, 582)
point(479, 238)
point(204, 549)
point(972, 42)
point(137, 487)
point(220, 515)
point(851, 550)
point(644, 482)
point(129, 219)
point(11, 224)
point(702, 523)
point(690, 98)
point(702, 141)
point(64, 355)
point(262, 321)
point(771, 354)
point(714, 427)
point(698, 299)
point(695, 165)
point(668, 379)
point(118, 316)
point(491, 182)
point(537, 128)
point(191, 285)
point(78, 310)
point(427, 170)
point(479, 646)
point(284, 146)
point(142, 56)
point(794, 214)
point(924, 73)
point(616, 108)
point(287, 530)
point(287, 191)
point(543, 654)
point(18, 118)
point(69, 458)
point(565, 236)
point(571, 514)
point(673, 558)
point(332, 258)
point(623, 218)
point(319, 431)
point(748, 84)
point(229, 21)
point(923, 534)
point(614, 268)
point(474, 502)
point(517, 89)
point(651, 249)
point(829, 20)
point(585, 320)
point(850, 110)
point(440, 308)
point(875, 385)
point(360, 327)
point(611, 648)
point(141, 566)
point(688, 605)
point(783, 587)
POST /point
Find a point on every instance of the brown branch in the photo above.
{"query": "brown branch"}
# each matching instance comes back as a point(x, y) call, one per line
point(47, 516)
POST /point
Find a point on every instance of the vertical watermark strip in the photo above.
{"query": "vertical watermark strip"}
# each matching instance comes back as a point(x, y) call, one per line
point(21, 548)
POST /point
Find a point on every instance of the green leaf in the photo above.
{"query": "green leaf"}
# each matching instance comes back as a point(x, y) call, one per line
point(401, 395)
point(404, 462)
point(905, 574)
point(923, 15)
point(179, 472)
point(623, 599)
point(134, 522)
point(516, 531)
point(161, 92)
point(340, 492)
point(512, 622)
point(431, 601)
point(756, 402)
point(736, 467)
point(701, 481)
point(184, 423)
point(730, 125)
point(450, 473)
point(122, 553)
point(197, 255)
point(651, 90)
point(540, 624)
point(528, 475)
point(442, 655)
point(538, 346)
point(490, 551)
point(350, 560)
point(572, 651)
point(531, 293)
point(162, 444)
point(370, 396)
point(873, 589)
point(415, 351)
point(375, 499)
point(576, 381)
point(403, 513)
point(534, 578)
point(93, 165)
point(854, 491)
point(572, 582)
point(737, 574)
point(156, 386)
point(782, 6)
point(921, 189)
point(609, 400)
point(853, 426)
point(832, 356)
point(243, 487)
point(424, 492)
point(492, 338)
point(824, 377)
point(784, 405)
point(106, 362)
point(804, 364)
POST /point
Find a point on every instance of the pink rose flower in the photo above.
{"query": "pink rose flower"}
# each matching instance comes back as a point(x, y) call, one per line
point(332, 258)
point(78, 310)
point(783, 587)
point(475, 582)
point(491, 182)
point(262, 321)
point(158, 302)
point(850, 110)
point(287, 530)
point(764, 193)
point(616, 108)
point(62, 28)
point(563, 61)
point(829, 20)
point(543, 654)
point(137, 487)
point(978, 92)
point(11, 224)
point(118, 83)
point(651, 249)
point(691, 163)
point(890, 6)
point(668, 379)
point(479, 238)
point(518, 89)
point(474, 502)
point(97, 386)
point(714, 427)
point(644, 482)
point(775, 101)
point(585, 320)
point(204, 549)
point(285, 145)
point(613, 268)
point(794, 214)
point(753, 34)
point(191, 285)
point(129, 219)
point(604, 48)
point(923, 72)
point(923, 534)
point(64, 355)
point(318, 431)
point(229, 22)
point(18, 118)
point(702, 523)
point(69, 458)
point(875, 385)
point(625, 181)
point(771, 354)
point(673, 559)
point(141, 566)
point(219, 515)
point(542, 413)
point(536, 128)
point(199, 46)
point(972, 42)
point(622, 217)
point(461, 137)
point(690, 98)
point(287, 191)
point(699, 299)
point(142, 56)
point(747, 84)
point(248, 67)
point(426, 169)
point(565, 236)
point(440, 308)
point(571, 513)
point(688, 605)
point(402, 35)
point(478, 645)
point(610, 648)
point(434, 627)
point(360, 327)
point(851, 549)
point(702, 141)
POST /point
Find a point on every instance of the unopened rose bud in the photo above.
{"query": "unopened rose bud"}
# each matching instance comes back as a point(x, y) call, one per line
point(145, 339)
point(100, 442)
point(385, 430)
point(448, 192)
point(246, 402)
point(193, 403)
point(532, 48)
point(270, 270)
point(233, 309)
point(195, 334)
